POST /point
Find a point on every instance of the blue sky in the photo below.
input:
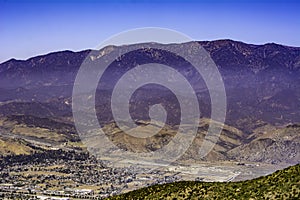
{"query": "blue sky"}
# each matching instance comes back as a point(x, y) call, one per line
point(30, 28)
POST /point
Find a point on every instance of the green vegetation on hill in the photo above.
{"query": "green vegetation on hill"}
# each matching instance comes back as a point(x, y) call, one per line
point(283, 184)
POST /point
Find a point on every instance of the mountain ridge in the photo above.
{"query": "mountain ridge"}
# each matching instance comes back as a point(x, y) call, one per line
point(202, 42)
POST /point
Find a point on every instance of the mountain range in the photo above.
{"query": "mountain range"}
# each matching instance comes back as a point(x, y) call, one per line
point(262, 85)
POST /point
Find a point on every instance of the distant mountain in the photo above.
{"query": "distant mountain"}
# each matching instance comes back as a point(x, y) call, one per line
point(239, 55)
point(262, 81)
point(47, 70)
point(262, 84)
point(57, 68)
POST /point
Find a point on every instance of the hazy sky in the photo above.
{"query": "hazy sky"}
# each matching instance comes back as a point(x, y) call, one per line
point(29, 28)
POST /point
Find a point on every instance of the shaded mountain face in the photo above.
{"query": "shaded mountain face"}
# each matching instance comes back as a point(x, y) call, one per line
point(262, 82)
point(54, 69)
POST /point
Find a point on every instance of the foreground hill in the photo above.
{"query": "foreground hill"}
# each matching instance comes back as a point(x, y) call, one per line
point(283, 184)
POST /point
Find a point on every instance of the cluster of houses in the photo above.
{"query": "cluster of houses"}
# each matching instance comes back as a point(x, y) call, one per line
point(69, 176)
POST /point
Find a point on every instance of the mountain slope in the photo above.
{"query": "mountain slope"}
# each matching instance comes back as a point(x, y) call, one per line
point(11, 146)
point(262, 84)
point(283, 184)
point(270, 145)
point(268, 75)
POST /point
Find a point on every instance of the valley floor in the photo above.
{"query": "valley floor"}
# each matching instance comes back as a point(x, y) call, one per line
point(74, 175)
